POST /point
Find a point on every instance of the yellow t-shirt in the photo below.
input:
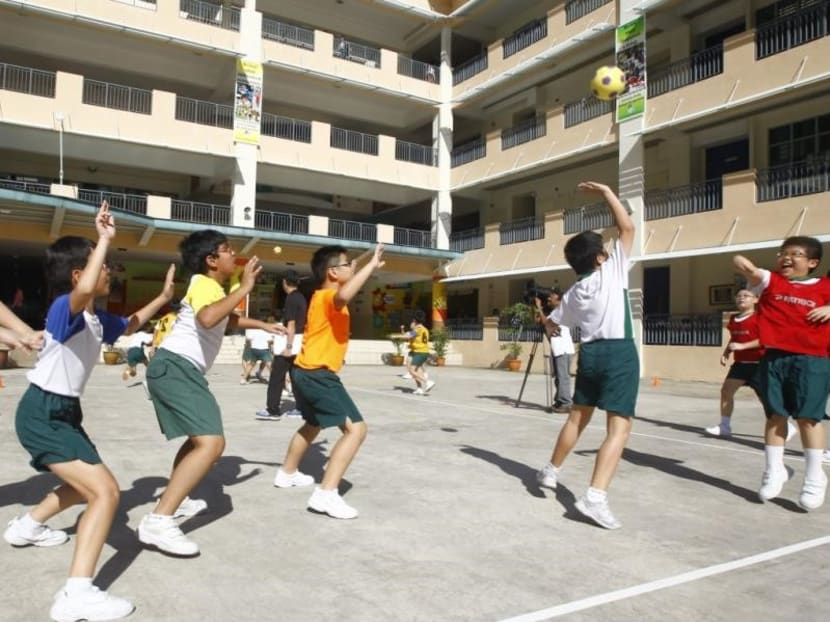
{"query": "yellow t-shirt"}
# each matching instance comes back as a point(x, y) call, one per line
point(419, 344)
point(163, 327)
point(326, 334)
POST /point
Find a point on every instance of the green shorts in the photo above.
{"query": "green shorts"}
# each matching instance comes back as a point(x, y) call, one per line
point(418, 359)
point(608, 376)
point(246, 353)
point(136, 356)
point(49, 427)
point(322, 398)
point(257, 354)
point(794, 385)
point(184, 404)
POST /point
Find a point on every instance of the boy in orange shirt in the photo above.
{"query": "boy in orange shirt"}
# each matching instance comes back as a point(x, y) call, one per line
point(319, 394)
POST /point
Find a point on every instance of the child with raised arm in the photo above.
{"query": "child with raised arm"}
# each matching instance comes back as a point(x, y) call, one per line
point(419, 353)
point(795, 370)
point(176, 381)
point(49, 417)
point(608, 371)
point(319, 394)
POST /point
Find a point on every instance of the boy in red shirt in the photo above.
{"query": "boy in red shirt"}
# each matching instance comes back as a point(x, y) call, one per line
point(795, 370)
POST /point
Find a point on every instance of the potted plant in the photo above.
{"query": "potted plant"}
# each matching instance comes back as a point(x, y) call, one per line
point(440, 343)
point(112, 356)
point(397, 358)
point(519, 316)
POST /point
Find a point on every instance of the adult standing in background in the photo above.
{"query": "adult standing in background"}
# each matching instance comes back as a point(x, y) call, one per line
point(293, 318)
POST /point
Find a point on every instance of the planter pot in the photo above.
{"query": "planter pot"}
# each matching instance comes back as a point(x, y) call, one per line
point(440, 361)
point(514, 364)
point(111, 358)
point(396, 360)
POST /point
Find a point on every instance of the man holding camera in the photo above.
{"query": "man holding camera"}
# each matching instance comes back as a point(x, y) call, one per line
point(561, 350)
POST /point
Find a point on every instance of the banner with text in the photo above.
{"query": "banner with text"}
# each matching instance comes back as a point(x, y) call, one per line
point(631, 58)
point(247, 107)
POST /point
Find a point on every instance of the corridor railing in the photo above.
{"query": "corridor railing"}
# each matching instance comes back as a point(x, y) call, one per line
point(793, 180)
point(354, 141)
point(695, 68)
point(523, 132)
point(289, 34)
point(793, 30)
point(588, 218)
point(286, 127)
point(277, 221)
point(27, 80)
point(117, 97)
point(203, 213)
point(704, 196)
point(683, 330)
point(219, 15)
point(467, 240)
point(522, 230)
point(204, 113)
point(526, 36)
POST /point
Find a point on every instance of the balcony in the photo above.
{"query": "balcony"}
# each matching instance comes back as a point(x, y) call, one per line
point(695, 68)
point(133, 203)
point(586, 109)
point(219, 15)
point(351, 230)
point(522, 230)
point(27, 80)
point(576, 9)
point(202, 213)
point(588, 218)
point(412, 237)
point(417, 69)
point(468, 69)
point(286, 127)
point(117, 97)
point(469, 152)
point(793, 180)
point(277, 221)
point(523, 133)
point(358, 142)
point(356, 52)
point(25, 186)
point(204, 113)
point(525, 37)
point(467, 240)
point(413, 152)
point(696, 198)
point(793, 30)
point(683, 330)
point(288, 34)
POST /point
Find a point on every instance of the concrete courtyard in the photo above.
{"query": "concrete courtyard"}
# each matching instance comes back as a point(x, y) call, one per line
point(452, 525)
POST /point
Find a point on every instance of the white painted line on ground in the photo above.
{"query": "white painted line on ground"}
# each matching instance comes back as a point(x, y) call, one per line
point(661, 584)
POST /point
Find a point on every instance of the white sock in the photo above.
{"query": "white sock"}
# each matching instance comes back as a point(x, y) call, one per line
point(774, 455)
point(556, 469)
point(76, 585)
point(812, 461)
point(323, 491)
point(28, 524)
point(595, 495)
point(726, 423)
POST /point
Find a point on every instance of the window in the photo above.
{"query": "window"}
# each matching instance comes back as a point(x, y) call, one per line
point(804, 140)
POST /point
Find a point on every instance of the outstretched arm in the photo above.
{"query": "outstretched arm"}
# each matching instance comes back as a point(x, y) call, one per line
point(143, 315)
point(622, 218)
point(15, 333)
point(84, 291)
point(752, 272)
point(351, 287)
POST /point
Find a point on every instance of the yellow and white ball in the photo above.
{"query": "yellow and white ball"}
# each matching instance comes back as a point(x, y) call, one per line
point(608, 83)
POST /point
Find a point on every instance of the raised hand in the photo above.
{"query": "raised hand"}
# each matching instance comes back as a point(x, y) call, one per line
point(250, 273)
point(169, 287)
point(377, 258)
point(594, 187)
point(104, 222)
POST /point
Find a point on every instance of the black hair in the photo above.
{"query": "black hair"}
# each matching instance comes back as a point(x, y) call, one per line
point(581, 251)
point(322, 260)
point(198, 246)
point(291, 278)
point(418, 316)
point(557, 291)
point(71, 252)
point(810, 245)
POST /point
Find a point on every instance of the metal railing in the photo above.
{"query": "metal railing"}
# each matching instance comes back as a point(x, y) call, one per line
point(586, 109)
point(793, 180)
point(412, 237)
point(226, 17)
point(204, 113)
point(695, 68)
point(134, 203)
point(465, 330)
point(523, 132)
point(27, 80)
point(413, 152)
point(286, 127)
point(203, 213)
point(469, 152)
point(354, 141)
point(588, 218)
point(468, 69)
point(525, 334)
point(417, 69)
point(793, 30)
point(522, 230)
point(117, 97)
point(574, 9)
point(277, 221)
point(289, 34)
point(351, 230)
point(356, 52)
point(139, 3)
point(703, 196)
point(25, 186)
point(526, 36)
point(683, 330)
point(467, 240)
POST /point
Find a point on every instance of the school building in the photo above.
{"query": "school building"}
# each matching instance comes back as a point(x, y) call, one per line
point(453, 131)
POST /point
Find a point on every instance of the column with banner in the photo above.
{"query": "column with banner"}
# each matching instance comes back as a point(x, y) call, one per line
point(247, 107)
point(631, 58)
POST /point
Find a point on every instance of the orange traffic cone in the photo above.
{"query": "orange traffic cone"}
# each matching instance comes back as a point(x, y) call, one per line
point(655, 381)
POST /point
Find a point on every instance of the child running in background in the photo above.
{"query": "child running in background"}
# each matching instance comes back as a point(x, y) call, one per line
point(608, 372)
point(136, 353)
point(320, 395)
point(419, 353)
point(795, 370)
point(49, 417)
point(165, 325)
point(182, 400)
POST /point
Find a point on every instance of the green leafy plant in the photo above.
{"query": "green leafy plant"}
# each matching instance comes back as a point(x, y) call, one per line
point(398, 343)
point(518, 315)
point(440, 338)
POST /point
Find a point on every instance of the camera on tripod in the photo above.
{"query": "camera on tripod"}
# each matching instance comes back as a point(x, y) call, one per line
point(537, 291)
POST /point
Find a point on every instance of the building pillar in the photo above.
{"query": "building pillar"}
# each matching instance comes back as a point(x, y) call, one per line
point(442, 141)
point(632, 187)
point(243, 200)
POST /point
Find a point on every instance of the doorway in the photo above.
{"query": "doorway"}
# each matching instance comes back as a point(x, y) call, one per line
point(656, 291)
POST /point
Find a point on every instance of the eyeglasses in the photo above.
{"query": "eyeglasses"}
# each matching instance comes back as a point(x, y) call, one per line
point(792, 255)
point(341, 265)
point(224, 249)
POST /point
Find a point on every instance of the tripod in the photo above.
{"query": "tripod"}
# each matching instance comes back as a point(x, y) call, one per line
point(547, 370)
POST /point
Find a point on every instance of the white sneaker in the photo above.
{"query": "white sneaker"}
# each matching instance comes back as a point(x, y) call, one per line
point(164, 534)
point(146, 389)
point(288, 480)
point(264, 415)
point(547, 477)
point(418, 391)
point(429, 386)
point(812, 493)
point(287, 395)
point(92, 605)
point(190, 507)
point(16, 535)
point(792, 429)
point(406, 376)
point(717, 430)
point(331, 503)
point(773, 482)
point(293, 414)
point(825, 458)
point(599, 512)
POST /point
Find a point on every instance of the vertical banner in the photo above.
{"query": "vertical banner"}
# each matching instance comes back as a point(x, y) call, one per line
point(247, 107)
point(631, 58)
